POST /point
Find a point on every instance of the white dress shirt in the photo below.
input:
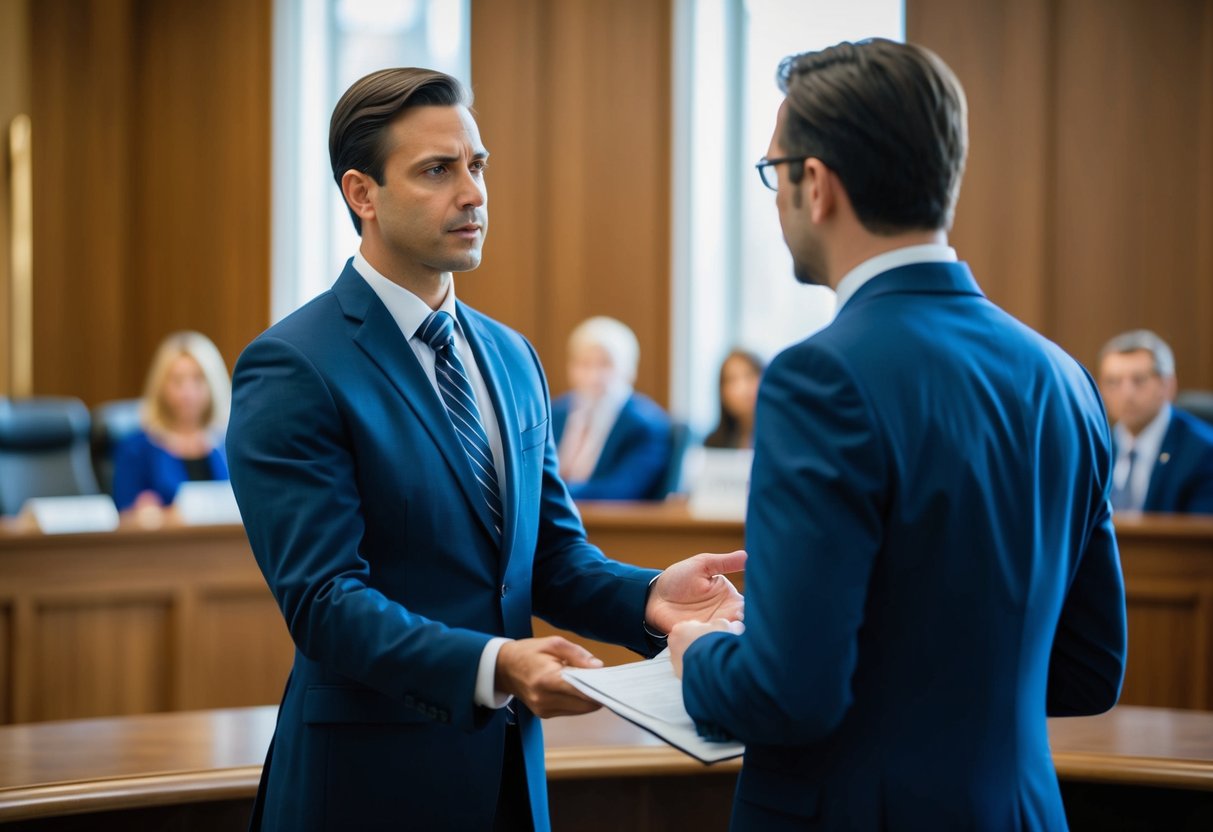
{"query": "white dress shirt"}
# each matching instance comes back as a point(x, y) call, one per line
point(1147, 444)
point(868, 269)
point(409, 311)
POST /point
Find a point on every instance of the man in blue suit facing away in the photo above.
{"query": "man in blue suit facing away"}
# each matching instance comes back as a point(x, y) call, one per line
point(391, 450)
point(1163, 456)
point(932, 566)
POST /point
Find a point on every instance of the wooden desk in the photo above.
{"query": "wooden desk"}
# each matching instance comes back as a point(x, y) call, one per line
point(179, 619)
point(603, 773)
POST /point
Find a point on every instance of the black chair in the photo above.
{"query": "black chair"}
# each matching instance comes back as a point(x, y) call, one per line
point(680, 440)
point(44, 450)
point(1197, 402)
point(112, 422)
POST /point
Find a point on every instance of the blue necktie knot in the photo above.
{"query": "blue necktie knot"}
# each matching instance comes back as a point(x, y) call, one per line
point(438, 330)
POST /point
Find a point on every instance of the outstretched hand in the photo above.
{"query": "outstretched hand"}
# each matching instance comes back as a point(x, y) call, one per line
point(530, 669)
point(696, 589)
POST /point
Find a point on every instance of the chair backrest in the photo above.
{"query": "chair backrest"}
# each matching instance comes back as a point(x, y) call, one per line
point(680, 440)
point(112, 422)
point(44, 450)
point(1197, 402)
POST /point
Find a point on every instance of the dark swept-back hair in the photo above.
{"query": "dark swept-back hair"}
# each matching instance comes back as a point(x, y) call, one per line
point(890, 119)
point(358, 129)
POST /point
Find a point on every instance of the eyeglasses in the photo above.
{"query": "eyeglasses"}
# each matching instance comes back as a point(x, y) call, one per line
point(770, 180)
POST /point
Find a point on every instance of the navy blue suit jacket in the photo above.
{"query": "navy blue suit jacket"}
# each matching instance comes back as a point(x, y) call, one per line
point(142, 465)
point(634, 459)
point(1182, 479)
point(365, 518)
point(932, 570)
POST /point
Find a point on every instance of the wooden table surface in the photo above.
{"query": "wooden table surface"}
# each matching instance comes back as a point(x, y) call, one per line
point(61, 768)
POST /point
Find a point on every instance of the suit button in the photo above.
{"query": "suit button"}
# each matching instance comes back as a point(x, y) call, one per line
point(504, 589)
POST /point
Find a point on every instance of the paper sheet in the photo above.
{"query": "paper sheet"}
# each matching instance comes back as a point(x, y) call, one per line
point(648, 694)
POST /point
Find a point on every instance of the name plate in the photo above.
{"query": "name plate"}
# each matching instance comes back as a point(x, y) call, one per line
point(207, 504)
point(720, 482)
point(72, 515)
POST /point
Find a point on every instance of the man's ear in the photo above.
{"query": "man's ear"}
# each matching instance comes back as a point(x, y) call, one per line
point(820, 188)
point(1170, 385)
point(359, 191)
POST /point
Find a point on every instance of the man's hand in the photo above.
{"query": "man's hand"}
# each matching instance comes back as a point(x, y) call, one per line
point(695, 589)
point(683, 636)
point(530, 670)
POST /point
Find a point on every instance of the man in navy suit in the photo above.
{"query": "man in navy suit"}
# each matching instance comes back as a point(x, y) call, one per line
point(613, 443)
point(1164, 456)
point(932, 566)
point(391, 451)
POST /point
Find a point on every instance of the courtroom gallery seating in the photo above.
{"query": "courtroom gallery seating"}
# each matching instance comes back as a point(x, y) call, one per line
point(44, 450)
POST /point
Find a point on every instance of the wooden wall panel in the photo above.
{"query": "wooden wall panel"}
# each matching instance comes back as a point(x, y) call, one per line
point(1166, 615)
point(1087, 206)
point(228, 679)
point(14, 100)
point(151, 173)
point(573, 101)
point(100, 657)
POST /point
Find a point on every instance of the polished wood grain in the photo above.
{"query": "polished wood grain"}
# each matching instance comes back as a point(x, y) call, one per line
point(151, 169)
point(80, 766)
point(573, 99)
point(1087, 205)
point(136, 621)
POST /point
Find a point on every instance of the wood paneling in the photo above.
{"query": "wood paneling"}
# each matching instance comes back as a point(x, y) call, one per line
point(573, 102)
point(1087, 206)
point(14, 100)
point(151, 171)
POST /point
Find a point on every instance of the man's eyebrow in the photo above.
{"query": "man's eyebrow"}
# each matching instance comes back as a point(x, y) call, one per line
point(479, 155)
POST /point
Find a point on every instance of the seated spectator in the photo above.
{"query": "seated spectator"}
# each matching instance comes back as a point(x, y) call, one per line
point(1163, 456)
point(183, 413)
point(739, 376)
point(613, 443)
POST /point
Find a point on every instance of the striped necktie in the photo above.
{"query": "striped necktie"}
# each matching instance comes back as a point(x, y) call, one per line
point(439, 332)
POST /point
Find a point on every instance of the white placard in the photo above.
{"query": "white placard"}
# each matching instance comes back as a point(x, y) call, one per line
point(207, 503)
point(72, 515)
point(719, 481)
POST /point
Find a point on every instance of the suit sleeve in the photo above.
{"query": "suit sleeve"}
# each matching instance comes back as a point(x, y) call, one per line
point(813, 530)
point(293, 473)
point(573, 585)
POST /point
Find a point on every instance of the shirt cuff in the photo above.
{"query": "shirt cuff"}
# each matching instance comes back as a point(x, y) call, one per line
point(486, 695)
point(658, 638)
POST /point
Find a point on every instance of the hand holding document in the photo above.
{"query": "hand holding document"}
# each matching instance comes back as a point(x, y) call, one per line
point(648, 694)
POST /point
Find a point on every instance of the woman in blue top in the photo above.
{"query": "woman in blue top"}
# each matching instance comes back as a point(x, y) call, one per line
point(184, 413)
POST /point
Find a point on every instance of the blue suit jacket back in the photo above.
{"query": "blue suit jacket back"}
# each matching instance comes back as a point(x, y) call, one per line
point(932, 569)
point(365, 517)
point(634, 459)
point(1182, 479)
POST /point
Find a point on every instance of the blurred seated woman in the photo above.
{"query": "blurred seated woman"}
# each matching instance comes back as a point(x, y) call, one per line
point(613, 443)
point(739, 376)
point(183, 415)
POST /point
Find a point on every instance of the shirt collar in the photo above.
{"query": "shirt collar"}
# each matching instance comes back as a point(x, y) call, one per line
point(908, 255)
point(407, 309)
point(1147, 443)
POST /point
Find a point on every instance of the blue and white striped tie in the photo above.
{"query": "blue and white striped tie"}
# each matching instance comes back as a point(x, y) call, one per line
point(439, 332)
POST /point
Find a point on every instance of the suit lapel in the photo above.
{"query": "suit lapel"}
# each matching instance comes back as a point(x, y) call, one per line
point(494, 371)
point(381, 339)
point(1162, 464)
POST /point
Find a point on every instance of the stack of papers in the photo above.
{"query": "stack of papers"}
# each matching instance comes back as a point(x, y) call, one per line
point(648, 694)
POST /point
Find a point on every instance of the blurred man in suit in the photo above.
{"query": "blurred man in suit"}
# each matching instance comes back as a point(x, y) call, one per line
point(932, 567)
point(613, 443)
point(1164, 456)
point(391, 451)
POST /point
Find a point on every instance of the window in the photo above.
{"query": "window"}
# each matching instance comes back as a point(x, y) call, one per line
point(320, 48)
point(733, 281)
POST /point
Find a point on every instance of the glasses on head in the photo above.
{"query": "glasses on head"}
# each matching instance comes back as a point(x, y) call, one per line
point(766, 170)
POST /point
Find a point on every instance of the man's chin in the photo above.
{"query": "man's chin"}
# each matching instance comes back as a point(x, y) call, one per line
point(807, 276)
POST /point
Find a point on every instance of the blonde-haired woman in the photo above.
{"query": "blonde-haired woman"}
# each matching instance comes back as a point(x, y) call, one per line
point(184, 413)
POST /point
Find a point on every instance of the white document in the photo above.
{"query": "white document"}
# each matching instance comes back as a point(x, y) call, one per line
point(206, 503)
point(72, 515)
point(648, 694)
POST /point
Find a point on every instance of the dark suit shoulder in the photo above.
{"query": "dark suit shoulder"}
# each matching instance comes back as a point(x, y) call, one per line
point(1190, 428)
point(646, 409)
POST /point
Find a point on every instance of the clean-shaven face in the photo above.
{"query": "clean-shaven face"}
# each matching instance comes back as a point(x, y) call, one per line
point(1132, 389)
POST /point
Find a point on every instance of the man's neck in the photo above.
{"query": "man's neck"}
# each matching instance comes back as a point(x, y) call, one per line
point(862, 246)
point(429, 285)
